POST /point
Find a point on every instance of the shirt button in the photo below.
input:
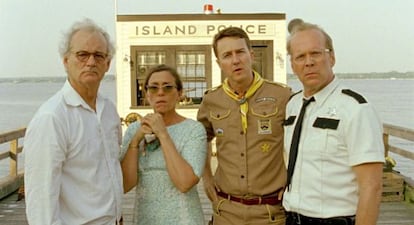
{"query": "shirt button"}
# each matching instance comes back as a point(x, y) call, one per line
point(242, 154)
point(241, 132)
point(242, 176)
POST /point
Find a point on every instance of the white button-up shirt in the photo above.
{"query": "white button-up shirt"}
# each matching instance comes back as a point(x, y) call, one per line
point(338, 132)
point(72, 172)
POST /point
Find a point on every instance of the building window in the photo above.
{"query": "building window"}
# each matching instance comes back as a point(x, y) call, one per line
point(145, 60)
point(192, 68)
point(193, 63)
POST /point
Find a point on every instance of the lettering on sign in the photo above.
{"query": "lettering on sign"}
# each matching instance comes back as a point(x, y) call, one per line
point(166, 30)
point(195, 30)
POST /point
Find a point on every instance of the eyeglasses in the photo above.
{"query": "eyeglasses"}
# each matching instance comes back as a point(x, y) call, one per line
point(84, 56)
point(315, 55)
point(165, 88)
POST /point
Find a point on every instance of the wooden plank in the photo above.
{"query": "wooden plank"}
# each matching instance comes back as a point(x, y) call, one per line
point(13, 211)
point(396, 213)
point(385, 138)
point(402, 152)
point(397, 131)
point(15, 134)
point(10, 184)
point(392, 187)
point(4, 155)
point(13, 157)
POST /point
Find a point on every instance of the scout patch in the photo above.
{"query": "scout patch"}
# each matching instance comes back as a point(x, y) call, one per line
point(265, 147)
point(219, 132)
point(331, 111)
point(265, 99)
point(264, 126)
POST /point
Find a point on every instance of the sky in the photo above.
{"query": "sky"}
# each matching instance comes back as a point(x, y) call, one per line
point(368, 35)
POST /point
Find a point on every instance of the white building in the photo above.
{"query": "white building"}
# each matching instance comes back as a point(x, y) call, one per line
point(184, 42)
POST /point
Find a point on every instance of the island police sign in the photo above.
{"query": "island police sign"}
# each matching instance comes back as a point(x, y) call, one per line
point(201, 29)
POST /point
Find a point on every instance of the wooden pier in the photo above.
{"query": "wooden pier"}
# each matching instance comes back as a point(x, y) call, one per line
point(12, 211)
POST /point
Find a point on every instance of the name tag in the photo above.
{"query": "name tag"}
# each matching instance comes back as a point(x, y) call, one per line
point(326, 123)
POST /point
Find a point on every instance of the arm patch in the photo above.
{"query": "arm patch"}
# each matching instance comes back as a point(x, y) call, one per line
point(355, 95)
point(289, 121)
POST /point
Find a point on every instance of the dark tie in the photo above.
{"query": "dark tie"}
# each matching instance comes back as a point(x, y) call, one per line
point(293, 153)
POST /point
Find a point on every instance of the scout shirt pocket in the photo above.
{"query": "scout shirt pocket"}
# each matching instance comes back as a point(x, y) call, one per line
point(326, 123)
point(265, 112)
point(220, 118)
point(325, 135)
point(264, 109)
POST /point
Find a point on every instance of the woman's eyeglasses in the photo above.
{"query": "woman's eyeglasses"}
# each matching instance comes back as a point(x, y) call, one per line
point(165, 88)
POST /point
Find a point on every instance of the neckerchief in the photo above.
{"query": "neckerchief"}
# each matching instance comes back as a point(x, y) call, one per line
point(242, 100)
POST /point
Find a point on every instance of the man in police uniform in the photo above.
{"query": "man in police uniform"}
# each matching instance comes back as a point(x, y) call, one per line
point(245, 114)
point(337, 177)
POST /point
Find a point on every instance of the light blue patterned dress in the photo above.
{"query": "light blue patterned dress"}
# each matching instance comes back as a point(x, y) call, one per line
point(158, 201)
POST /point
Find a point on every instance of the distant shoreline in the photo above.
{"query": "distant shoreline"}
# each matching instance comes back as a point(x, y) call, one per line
point(43, 79)
point(389, 75)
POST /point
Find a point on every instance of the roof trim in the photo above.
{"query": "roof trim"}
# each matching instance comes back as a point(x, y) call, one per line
point(183, 17)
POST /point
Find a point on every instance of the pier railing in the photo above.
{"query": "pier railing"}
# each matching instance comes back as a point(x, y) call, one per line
point(12, 181)
point(404, 134)
point(399, 132)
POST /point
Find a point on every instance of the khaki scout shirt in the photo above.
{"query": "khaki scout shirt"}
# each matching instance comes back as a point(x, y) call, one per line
point(251, 163)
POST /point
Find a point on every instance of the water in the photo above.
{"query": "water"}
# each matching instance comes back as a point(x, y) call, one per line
point(392, 98)
point(19, 101)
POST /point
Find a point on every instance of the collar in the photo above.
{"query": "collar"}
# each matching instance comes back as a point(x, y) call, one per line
point(322, 95)
point(72, 98)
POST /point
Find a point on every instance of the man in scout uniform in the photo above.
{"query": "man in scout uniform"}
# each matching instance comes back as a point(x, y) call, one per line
point(245, 115)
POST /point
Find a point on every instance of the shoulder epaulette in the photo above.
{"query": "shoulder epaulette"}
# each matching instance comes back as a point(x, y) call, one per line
point(274, 82)
point(291, 96)
point(355, 95)
point(212, 89)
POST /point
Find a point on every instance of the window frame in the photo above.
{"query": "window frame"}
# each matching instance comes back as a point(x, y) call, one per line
point(170, 53)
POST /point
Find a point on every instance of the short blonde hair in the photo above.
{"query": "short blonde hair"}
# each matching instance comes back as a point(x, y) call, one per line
point(297, 25)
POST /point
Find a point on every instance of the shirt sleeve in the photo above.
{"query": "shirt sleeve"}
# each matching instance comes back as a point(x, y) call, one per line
point(44, 152)
point(195, 149)
point(128, 135)
point(364, 136)
point(203, 118)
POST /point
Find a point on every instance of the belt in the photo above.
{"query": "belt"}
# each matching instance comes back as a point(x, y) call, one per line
point(265, 200)
point(296, 218)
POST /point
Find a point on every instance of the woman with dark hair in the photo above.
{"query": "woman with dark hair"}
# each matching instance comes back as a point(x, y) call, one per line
point(164, 155)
